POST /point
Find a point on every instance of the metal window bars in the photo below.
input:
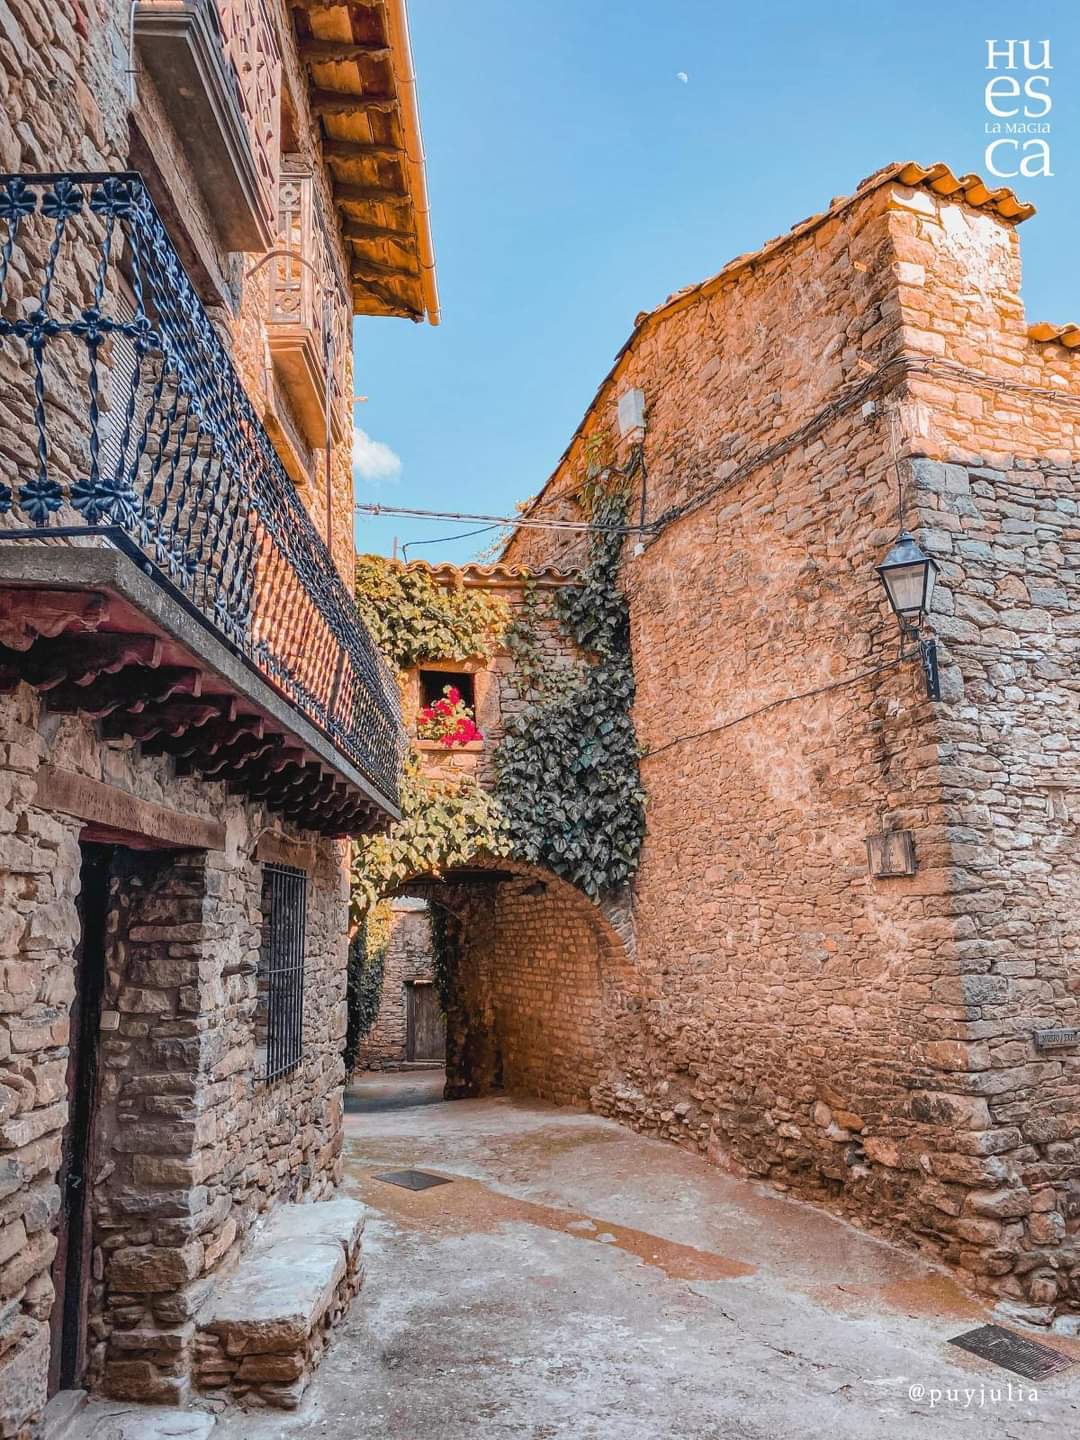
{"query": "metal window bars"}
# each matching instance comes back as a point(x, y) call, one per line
point(280, 1010)
point(126, 423)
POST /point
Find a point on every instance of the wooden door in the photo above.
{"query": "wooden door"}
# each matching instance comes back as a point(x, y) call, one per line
point(71, 1268)
point(425, 1028)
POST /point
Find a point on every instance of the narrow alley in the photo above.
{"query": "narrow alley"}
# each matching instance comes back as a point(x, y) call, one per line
point(576, 1279)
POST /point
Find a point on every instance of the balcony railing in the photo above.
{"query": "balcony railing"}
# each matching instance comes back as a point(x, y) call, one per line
point(126, 423)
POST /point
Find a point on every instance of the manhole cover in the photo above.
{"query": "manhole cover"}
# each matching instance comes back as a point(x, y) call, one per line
point(412, 1179)
point(1013, 1352)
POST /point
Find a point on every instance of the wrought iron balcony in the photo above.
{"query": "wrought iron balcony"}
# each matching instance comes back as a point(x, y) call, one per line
point(125, 424)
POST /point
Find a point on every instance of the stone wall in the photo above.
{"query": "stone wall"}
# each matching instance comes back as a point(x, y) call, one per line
point(542, 998)
point(562, 998)
point(408, 959)
point(864, 1040)
point(64, 105)
point(189, 1146)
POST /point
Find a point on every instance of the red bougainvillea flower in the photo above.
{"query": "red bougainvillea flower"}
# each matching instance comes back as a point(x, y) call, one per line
point(448, 721)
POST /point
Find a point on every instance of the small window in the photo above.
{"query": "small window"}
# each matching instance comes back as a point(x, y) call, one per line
point(279, 1013)
point(434, 682)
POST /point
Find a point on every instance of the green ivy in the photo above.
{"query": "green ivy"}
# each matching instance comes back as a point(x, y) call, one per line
point(442, 959)
point(443, 824)
point(568, 781)
point(412, 619)
point(363, 991)
point(568, 795)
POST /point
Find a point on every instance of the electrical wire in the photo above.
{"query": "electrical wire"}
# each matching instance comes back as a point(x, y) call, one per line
point(775, 704)
point(497, 520)
point(906, 364)
point(636, 461)
point(445, 539)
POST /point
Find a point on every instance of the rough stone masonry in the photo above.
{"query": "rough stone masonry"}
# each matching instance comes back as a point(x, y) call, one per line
point(190, 1149)
point(863, 1040)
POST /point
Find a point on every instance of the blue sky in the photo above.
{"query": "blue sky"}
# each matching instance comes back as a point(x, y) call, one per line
point(575, 179)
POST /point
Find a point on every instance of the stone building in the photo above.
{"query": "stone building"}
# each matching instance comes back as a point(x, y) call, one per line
point(848, 961)
point(540, 989)
point(198, 198)
point(410, 1028)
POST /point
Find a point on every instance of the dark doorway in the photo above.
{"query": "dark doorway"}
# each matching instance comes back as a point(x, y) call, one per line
point(425, 1028)
point(71, 1268)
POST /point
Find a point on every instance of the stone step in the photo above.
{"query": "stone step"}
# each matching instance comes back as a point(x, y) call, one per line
point(264, 1328)
point(69, 1416)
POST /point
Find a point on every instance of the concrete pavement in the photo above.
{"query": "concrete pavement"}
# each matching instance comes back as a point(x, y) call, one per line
point(577, 1280)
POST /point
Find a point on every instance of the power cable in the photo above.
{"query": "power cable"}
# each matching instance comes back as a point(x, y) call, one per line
point(445, 539)
point(775, 704)
point(497, 520)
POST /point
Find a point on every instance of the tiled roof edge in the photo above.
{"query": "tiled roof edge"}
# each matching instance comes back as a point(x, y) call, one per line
point(1067, 335)
point(494, 575)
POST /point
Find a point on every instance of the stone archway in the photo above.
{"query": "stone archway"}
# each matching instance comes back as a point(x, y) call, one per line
point(541, 987)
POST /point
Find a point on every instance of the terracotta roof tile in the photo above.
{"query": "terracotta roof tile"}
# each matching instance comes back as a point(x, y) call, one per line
point(975, 190)
point(1067, 335)
point(971, 189)
point(494, 575)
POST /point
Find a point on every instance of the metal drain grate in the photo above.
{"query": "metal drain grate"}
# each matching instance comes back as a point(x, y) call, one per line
point(412, 1179)
point(1013, 1352)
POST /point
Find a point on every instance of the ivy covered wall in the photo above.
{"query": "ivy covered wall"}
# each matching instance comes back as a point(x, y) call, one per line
point(559, 785)
point(555, 783)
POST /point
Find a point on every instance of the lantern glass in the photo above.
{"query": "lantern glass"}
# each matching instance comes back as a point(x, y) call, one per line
point(908, 575)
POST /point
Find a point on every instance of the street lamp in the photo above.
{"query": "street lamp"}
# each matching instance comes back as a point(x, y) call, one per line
point(909, 576)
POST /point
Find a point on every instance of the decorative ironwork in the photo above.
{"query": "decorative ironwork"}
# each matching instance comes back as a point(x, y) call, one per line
point(279, 1014)
point(133, 428)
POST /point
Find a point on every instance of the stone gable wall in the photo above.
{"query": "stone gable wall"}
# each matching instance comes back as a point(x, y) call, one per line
point(864, 1041)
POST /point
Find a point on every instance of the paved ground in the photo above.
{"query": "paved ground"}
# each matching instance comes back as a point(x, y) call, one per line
point(580, 1281)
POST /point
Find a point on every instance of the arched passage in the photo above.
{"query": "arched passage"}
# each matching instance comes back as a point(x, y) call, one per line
point(539, 986)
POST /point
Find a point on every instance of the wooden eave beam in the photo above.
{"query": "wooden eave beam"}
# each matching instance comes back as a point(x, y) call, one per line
point(384, 295)
point(210, 738)
point(324, 50)
point(49, 663)
point(385, 311)
point(363, 230)
point(131, 690)
point(340, 102)
point(360, 150)
point(174, 718)
point(375, 269)
point(344, 192)
point(32, 613)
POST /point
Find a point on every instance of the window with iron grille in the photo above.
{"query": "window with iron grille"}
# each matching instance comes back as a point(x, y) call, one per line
point(279, 1014)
